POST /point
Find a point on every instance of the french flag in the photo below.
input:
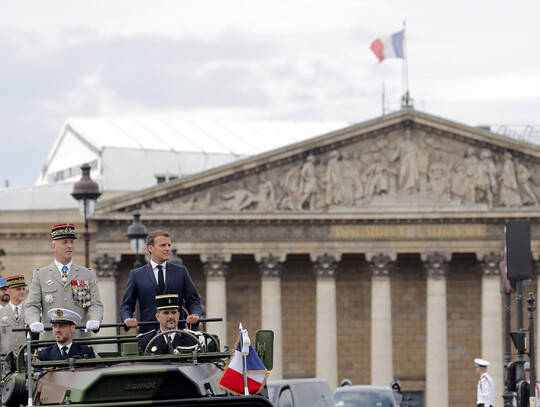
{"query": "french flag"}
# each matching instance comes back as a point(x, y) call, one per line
point(389, 47)
point(232, 378)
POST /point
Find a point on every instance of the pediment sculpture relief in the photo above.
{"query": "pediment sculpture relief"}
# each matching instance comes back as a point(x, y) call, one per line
point(396, 169)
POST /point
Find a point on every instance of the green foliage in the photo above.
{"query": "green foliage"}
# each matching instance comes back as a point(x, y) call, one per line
point(2, 253)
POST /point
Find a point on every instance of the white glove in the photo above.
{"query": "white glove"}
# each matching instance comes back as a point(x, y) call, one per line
point(92, 325)
point(37, 327)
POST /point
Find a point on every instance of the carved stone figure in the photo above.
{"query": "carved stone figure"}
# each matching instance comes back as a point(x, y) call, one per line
point(526, 185)
point(509, 189)
point(463, 182)
point(350, 177)
point(334, 178)
point(243, 199)
point(308, 184)
point(354, 166)
point(290, 184)
point(265, 195)
point(438, 181)
point(235, 200)
point(486, 179)
point(409, 174)
point(377, 182)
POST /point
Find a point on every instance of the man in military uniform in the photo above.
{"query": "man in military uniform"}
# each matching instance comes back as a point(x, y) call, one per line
point(4, 293)
point(63, 284)
point(168, 313)
point(63, 324)
point(485, 390)
point(12, 316)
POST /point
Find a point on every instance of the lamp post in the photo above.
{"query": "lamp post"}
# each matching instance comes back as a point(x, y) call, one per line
point(86, 192)
point(175, 259)
point(136, 234)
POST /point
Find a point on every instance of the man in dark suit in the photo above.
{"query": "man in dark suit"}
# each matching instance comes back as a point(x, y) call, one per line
point(63, 324)
point(158, 277)
point(167, 315)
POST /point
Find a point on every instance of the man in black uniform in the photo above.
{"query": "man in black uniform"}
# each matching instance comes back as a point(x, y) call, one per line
point(168, 313)
point(63, 324)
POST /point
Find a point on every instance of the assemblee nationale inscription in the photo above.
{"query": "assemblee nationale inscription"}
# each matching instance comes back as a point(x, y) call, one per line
point(407, 231)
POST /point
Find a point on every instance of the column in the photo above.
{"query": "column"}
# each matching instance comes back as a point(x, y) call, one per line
point(492, 322)
point(106, 273)
point(270, 270)
point(382, 360)
point(436, 335)
point(215, 270)
point(536, 270)
point(326, 315)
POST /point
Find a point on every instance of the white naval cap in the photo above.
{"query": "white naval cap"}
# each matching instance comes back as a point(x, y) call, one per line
point(63, 316)
point(481, 362)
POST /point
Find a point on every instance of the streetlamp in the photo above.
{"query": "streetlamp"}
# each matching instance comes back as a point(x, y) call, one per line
point(86, 192)
point(175, 259)
point(136, 234)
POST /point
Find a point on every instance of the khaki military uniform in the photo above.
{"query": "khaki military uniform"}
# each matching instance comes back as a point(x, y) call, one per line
point(10, 341)
point(79, 293)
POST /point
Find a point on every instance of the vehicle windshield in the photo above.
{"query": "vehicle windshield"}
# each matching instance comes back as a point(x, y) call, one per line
point(364, 398)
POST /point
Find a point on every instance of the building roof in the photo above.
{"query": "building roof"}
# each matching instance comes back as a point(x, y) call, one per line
point(130, 153)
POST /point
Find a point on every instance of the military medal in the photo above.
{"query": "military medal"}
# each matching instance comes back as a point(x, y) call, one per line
point(49, 299)
point(81, 292)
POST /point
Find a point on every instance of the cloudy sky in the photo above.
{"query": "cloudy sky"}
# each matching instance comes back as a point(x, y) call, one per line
point(470, 61)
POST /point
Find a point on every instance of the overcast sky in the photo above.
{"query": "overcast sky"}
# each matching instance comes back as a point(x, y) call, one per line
point(470, 61)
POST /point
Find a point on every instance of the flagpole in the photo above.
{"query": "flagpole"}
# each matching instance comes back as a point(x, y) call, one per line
point(406, 100)
point(383, 112)
point(244, 361)
point(405, 62)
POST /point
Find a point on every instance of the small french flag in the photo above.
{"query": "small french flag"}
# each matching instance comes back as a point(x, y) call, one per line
point(232, 378)
point(389, 47)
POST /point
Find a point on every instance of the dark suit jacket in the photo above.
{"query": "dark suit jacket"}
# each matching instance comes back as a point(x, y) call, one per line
point(142, 286)
point(76, 351)
point(160, 347)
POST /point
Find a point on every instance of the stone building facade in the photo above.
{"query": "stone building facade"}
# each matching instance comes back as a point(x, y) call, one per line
point(372, 252)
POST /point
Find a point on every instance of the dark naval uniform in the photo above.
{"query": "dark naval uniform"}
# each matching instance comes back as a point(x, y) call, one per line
point(160, 346)
point(76, 351)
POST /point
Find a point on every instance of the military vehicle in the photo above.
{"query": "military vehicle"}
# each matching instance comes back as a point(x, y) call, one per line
point(121, 377)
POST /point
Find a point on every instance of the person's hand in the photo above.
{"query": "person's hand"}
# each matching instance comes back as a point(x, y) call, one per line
point(131, 323)
point(92, 325)
point(192, 319)
point(37, 327)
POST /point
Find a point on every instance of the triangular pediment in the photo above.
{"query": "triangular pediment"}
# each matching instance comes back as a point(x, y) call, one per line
point(404, 162)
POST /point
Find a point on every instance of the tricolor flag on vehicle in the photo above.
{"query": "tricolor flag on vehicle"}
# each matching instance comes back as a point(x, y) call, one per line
point(389, 47)
point(244, 359)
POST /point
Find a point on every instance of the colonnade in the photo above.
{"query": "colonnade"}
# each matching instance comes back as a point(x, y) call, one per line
point(325, 266)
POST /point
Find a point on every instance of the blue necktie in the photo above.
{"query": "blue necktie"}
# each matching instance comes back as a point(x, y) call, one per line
point(161, 281)
point(64, 274)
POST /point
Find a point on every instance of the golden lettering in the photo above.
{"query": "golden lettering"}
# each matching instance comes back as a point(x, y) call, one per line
point(406, 231)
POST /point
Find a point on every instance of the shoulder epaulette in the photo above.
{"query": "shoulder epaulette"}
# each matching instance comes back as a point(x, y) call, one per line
point(146, 333)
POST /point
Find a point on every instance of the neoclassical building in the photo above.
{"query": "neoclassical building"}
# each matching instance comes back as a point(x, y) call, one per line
point(371, 251)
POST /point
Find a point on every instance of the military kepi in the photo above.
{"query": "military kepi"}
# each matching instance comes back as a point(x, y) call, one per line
point(63, 316)
point(481, 362)
point(15, 281)
point(63, 231)
point(167, 301)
